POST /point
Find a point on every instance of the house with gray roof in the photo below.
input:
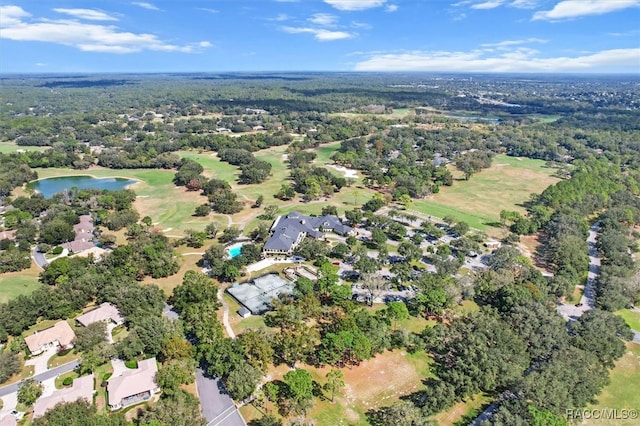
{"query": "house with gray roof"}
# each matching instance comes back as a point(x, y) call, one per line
point(288, 231)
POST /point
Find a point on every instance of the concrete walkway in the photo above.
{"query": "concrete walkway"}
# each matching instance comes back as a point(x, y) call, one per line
point(225, 314)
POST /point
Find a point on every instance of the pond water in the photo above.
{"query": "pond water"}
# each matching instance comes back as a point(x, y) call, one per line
point(50, 186)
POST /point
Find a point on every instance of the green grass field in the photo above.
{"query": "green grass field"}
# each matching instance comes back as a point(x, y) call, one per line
point(623, 391)
point(632, 318)
point(478, 201)
point(9, 147)
point(324, 152)
point(16, 283)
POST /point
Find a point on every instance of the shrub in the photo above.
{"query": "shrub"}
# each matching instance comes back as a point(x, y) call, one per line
point(131, 364)
point(67, 381)
point(56, 250)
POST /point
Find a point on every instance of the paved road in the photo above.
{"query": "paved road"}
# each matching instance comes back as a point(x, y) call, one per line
point(38, 257)
point(588, 300)
point(217, 406)
point(54, 372)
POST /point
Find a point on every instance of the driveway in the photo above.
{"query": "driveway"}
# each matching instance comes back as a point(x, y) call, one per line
point(39, 258)
point(217, 406)
point(40, 362)
point(9, 402)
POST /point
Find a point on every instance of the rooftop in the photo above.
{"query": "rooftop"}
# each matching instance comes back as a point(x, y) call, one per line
point(104, 312)
point(61, 332)
point(133, 381)
point(288, 230)
point(82, 388)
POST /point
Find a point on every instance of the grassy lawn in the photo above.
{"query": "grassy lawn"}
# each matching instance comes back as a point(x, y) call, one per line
point(623, 392)
point(100, 397)
point(57, 360)
point(14, 284)
point(466, 307)
point(632, 318)
point(9, 147)
point(60, 378)
point(189, 261)
point(415, 324)
point(325, 151)
point(478, 201)
point(462, 411)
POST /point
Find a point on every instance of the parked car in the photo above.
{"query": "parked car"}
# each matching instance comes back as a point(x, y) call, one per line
point(17, 414)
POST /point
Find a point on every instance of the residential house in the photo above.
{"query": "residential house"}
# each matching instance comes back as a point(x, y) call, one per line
point(105, 312)
point(8, 235)
point(60, 335)
point(83, 235)
point(132, 386)
point(82, 388)
point(288, 231)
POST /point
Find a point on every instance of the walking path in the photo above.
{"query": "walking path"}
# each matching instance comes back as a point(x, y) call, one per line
point(225, 314)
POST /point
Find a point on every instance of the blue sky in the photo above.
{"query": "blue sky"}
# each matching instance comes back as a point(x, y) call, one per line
point(553, 36)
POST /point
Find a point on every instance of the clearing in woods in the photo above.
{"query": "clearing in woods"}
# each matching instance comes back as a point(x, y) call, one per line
point(622, 393)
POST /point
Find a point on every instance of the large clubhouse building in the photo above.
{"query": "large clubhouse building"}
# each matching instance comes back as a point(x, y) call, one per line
point(288, 231)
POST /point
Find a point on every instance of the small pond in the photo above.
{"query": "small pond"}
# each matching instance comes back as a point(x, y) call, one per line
point(50, 186)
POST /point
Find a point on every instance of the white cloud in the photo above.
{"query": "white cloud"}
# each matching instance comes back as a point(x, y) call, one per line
point(319, 34)
point(88, 14)
point(324, 19)
point(391, 8)
point(491, 4)
point(145, 5)
point(83, 36)
point(208, 10)
point(506, 43)
point(12, 15)
point(630, 33)
point(281, 17)
point(362, 25)
point(517, 60)
point(568, 9)
point(40, 64)
point(524, 4)
point(351, 5)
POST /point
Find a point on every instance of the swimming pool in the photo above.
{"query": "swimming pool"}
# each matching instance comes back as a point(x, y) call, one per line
point(234, 251)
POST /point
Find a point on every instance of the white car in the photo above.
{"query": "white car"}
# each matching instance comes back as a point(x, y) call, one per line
point(17, 414)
